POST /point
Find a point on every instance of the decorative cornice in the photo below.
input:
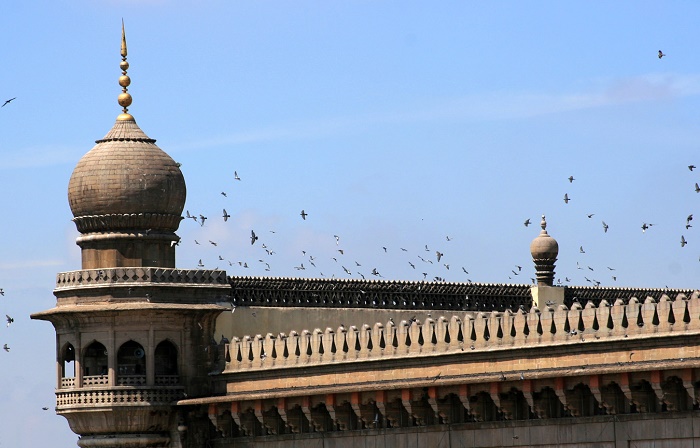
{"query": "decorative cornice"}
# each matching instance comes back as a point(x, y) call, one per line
point(127, 221)
point(140, 277)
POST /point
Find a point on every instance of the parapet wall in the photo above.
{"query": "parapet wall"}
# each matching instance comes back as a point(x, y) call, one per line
point(473, 331)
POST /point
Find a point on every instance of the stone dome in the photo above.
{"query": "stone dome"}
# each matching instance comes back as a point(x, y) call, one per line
point(126, 182)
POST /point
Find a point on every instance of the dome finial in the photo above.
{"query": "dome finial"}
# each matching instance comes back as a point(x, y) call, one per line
point(124, 81)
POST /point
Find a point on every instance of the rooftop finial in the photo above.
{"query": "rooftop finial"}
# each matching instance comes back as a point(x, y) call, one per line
point(544, 250)
point(543, 224)
point(124, 81)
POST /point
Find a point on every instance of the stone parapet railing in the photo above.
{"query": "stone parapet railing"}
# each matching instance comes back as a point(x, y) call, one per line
point(94, 381)
point(140, 276)
point(469, 332)
point(118, 396)
point(381, 294)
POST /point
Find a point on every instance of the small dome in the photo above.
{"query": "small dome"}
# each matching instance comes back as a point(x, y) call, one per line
point(126, 182)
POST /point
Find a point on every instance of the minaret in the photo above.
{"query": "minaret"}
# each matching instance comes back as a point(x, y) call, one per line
point(544, 250)
point(133, 334)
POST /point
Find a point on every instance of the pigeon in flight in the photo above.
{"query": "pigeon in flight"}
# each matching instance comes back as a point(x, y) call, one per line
point(571, 179)
point(691, 167)
point(683, 243)
point(226, 216)
point(527, 222)
point(605, 227)
point(303, 215)
point(439, 255)
point(202, 218)
point(566, 198)
point(6, 347)
point(580, 249)
point(235, 175)
point(661, 54)
point(697, 188)
point(9, 319)
point(337, 239)
point(200, 264)
point(253, 237)
point(223, 193)
point(8, 101)
point(590, 215)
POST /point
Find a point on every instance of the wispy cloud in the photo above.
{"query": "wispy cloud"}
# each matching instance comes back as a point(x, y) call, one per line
point(38, 156)
point(31, 264)
point(491, 106)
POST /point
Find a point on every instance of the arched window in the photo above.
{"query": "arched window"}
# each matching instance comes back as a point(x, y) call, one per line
point(131, 364)
point(166, 368)
point(68, 361)
point(95, 365)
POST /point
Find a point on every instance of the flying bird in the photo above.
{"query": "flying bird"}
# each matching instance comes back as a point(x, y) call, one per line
point(697, 188)
point(580, 249)
point(691, 167)
point(200, 264)
point(337, 239)
point(226, 216)
point(645, 227)
point(213, 243)
point(303, 215)
point(202, 218)
point(9, 319)
point(8, 101)
point(683, 243)
point(439, 255)
point(689, 218)
point(6, 347)
point(661, 54)
point(605, 227)
point(571, 179)
point(235, 175)
point(527, 222)
point(253, 237)
point(590, 215)
point(566, 198)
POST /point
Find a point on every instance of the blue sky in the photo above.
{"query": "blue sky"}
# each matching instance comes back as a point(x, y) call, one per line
point(392, 124)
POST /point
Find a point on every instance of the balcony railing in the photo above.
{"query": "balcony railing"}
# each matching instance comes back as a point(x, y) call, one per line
point(118, 396)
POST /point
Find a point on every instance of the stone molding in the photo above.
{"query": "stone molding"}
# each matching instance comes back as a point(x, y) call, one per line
point(127, 221)
point(141, 276)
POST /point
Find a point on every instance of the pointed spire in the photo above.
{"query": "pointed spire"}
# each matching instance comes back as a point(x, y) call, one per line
point(124, 81)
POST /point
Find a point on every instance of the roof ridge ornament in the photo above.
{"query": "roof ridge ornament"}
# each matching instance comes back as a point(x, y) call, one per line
point(124, 81)
point(544, 250)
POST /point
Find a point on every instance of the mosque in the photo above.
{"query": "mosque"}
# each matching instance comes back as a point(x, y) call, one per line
point(149, 355)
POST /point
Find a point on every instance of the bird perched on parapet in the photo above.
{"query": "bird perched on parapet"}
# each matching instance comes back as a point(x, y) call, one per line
point(6, 347)
point(303, 214)
point(503, 376)
point(527, 222)
point(226, 216)
point(683, 241)
point(566, 198)
point(253, 237)
point(8, 101)
point(661, 54)
point(9, 319)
